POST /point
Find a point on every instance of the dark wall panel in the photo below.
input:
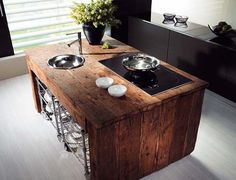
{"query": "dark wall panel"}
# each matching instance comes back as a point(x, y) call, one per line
point(136, 8)
point(6, 48)
point(205, 60)
point(148, 38)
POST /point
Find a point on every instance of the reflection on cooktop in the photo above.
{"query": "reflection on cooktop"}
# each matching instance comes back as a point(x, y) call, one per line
point(142, 79)
point(153, 82)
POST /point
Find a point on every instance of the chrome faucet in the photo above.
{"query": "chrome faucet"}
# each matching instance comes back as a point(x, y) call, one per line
point(79, 40)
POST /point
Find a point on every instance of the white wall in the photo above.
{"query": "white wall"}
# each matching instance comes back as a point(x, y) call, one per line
point(12, 66)
point(199, 11)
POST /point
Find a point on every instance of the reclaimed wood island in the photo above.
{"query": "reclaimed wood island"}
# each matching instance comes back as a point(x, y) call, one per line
point(129, 137)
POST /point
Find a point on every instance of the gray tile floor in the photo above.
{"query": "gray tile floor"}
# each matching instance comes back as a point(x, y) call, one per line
point(29, 149)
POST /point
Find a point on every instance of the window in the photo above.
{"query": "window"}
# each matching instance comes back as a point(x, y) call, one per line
point(35, 22)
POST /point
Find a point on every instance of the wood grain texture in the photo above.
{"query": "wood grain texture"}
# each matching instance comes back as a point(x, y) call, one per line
point(138, 133)
point(193, 123)
point(180, 121)
point(166, 129)
point(129, 146)
point(76, 88)
point(34, 90)
point(41, 157)
point(149, 141)
point(103, 153)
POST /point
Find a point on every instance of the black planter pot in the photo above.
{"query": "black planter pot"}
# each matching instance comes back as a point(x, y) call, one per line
point(93, 35)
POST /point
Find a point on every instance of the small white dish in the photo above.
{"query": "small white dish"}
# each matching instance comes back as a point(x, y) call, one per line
point(47, 97)
point(49, 107)
point(104, 82)
point(69, 139)
point(71, 142)
point(117, 90)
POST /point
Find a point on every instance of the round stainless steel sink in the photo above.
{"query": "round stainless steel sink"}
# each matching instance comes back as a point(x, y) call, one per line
point(66, 61)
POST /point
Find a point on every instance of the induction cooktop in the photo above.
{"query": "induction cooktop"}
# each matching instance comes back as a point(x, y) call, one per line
point(152, 82)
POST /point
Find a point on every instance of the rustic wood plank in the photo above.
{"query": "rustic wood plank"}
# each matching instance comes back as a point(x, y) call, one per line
point(166, 129)
point(34, 91)
point(44, 162)
point(149, 141)
point(129, 147)
point(92, 135)
point(77, 86)
point(103, 153)
point(75, 112)
point(193, 123)
point(180, 121)
point(130, 136)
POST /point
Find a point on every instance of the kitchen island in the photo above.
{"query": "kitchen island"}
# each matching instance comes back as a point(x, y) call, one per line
point(129, 137)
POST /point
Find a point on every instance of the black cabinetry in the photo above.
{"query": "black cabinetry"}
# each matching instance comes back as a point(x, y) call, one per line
point(200, 58)
point(192, 49)
point(148, 38)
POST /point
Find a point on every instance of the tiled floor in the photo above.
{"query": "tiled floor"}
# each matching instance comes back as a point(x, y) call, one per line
point(30, 151)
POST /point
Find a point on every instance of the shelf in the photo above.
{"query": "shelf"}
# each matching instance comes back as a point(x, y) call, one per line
point(69, 132)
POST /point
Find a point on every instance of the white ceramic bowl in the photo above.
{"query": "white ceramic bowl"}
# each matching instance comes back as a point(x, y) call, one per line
point(47, 97)
point(117, 90)
point(49, 107)
point(104, 82)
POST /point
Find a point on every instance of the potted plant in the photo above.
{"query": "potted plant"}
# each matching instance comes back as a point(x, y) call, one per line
point(95, 16)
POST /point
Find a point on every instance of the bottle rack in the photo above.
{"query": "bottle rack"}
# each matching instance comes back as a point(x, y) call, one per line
point(69, 132)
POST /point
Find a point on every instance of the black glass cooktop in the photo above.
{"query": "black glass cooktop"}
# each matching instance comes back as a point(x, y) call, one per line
point(155, 82)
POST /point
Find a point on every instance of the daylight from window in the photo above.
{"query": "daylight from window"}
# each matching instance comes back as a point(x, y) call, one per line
point(37, 22)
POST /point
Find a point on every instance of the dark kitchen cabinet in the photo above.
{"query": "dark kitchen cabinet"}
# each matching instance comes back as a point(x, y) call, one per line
point(230, 64)
point(199, 58)
point(6, 48)
point(194, 49)
point(148, 38)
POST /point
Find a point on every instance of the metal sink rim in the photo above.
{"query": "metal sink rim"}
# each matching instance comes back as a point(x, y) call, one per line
point(77, 61)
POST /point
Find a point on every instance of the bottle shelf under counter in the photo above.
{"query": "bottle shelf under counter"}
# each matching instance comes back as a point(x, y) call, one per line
point(69, 132)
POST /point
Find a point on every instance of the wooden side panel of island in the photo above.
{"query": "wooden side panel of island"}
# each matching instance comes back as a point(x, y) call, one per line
point(147, 141)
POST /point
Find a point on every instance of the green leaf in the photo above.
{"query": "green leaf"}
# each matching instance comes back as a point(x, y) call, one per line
point(99, 12)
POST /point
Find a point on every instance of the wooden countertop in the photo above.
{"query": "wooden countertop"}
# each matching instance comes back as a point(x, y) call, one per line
point(77, 89)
